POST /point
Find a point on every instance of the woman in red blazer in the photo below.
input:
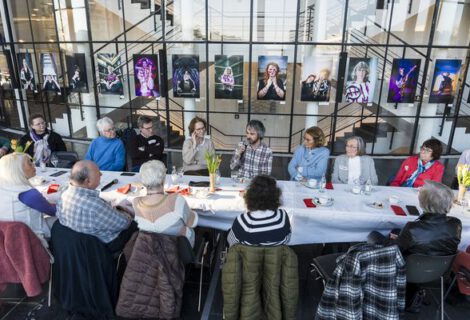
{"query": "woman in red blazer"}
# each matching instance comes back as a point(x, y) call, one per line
point(416, 169)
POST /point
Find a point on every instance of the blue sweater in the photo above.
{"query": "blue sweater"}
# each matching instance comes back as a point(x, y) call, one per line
point(108, 154)
point(314, 162)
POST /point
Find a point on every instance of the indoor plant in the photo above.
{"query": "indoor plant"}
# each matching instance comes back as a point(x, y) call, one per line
point(213, 162)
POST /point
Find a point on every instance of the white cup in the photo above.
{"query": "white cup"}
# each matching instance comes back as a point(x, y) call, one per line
point(393, 199)
point(312, 183)
point(323, 200)
point(356, 189)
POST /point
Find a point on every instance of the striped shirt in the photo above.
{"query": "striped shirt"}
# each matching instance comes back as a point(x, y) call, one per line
point(261, 228)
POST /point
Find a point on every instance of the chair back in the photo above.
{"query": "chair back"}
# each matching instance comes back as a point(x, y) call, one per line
point(66, 158)
point(422, 268)
point(185, 251)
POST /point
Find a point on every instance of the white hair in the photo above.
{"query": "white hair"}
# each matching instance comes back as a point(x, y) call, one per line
point(12, 171)
point(101, 123)
point(435, 197)
point(152, 174)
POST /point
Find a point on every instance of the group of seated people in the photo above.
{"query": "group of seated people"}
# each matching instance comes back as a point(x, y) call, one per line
point(265, 223)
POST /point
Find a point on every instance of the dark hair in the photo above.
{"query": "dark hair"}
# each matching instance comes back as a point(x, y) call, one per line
point(258, 126)
point(436, 147)
point(141, 120)
point(318, 136)
point(263, 194)
point(193, 122)
point(35, 116)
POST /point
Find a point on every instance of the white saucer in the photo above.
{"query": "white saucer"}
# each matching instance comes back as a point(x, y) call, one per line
point(316, 201)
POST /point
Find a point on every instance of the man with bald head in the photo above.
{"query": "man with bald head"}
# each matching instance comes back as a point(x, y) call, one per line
point(81, 209)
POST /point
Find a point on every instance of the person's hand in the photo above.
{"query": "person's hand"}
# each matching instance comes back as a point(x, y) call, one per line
point(393, 236)
point(241, 148)
point(193, 138)
point(270, 82)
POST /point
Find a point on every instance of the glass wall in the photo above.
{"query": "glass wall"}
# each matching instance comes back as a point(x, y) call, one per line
point(392, 72)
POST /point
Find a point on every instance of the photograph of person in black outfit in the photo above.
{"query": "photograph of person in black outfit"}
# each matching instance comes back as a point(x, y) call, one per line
point(270, 85)
point(145, 146)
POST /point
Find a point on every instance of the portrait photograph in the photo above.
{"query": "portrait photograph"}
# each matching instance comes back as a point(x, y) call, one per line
point(49, 73)
point(146, 75)
point(76, 73)
point(110, 74)
point(444, 81)
point(316, 78)
point(6, 81)
point(186, 81)
point(360, 80)
point(272, 77)
point(403, 80)
point(228, 77)
point(27, 77)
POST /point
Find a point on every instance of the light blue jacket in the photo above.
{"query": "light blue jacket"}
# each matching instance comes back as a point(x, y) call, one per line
point(314, 162)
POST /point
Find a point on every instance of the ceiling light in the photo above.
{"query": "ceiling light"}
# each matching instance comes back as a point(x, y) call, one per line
point(35, 9)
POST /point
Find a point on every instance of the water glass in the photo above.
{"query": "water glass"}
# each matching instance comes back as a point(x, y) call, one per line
point(217, 176)
point(180, 172)
point(54, 160)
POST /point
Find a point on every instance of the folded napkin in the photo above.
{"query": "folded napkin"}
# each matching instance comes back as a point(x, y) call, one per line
point(309, 203)
point(184, 192)
point(172, 189)
point(329, 186)
point(54, 187)
point(124, 189)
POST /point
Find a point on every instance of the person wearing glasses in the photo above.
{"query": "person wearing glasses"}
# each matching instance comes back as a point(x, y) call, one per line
point(107, 151)
point(43, 141)
point(418, 168)
point(145, 146)
point(310, 159)
point(354, 167)
point(195, 147)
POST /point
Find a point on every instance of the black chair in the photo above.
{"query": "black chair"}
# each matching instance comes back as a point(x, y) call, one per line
point(421, 269)
point(324, 266)
point(66, 158)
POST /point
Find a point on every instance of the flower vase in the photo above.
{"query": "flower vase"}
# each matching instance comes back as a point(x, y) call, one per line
point(212, 178)
point(462, 191)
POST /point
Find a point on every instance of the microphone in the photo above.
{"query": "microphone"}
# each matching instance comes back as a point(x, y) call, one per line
point(110, 184)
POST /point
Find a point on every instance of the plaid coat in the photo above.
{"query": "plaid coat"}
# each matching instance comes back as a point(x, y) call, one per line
point(369, 282)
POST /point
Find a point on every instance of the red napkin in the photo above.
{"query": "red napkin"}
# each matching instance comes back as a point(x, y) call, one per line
point(54, 187)
point(184, 192)
point(125, 189)
point(172, 189)
point(398, 210)
point(309, 203)
point(329, 186)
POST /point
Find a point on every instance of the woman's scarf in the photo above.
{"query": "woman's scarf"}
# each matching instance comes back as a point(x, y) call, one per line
point(421, 168)
point(42, 152)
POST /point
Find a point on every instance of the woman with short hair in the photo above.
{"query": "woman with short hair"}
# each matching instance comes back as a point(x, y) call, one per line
point(159, 212)
point(107, 151)
point(19, 201)
point(418, 168)
point(354, 167)
point(264, 223)
point(195, 148)
point(310, 159)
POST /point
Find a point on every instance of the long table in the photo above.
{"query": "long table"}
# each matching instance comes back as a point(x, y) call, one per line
point(348, 219)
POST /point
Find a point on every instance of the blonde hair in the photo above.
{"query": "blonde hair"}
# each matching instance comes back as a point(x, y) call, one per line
point(12, 171)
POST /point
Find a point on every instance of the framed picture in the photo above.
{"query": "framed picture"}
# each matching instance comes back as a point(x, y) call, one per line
point(360, 81)
point(7, 82)
point(272, 76)
point(110, 74)
point(316, 78)
point(49, 73)
point(146, 75)
point(186, 82)
point(403, 80)
point(76, 73)
point(444, 81)
point(26, 71)
point(228, 77)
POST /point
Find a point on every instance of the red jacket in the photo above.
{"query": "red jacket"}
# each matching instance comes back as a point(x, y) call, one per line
point(410, 165)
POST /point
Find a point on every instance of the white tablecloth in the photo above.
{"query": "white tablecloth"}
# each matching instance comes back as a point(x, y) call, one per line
point(349, 219)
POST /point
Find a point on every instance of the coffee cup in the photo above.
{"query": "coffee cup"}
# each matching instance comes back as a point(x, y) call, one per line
point(312, 183)
point(393, 199)
point(356, 189)
point(323, 200)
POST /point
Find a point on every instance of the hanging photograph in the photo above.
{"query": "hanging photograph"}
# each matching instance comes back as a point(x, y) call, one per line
point(146, 75)
point(110, 74)
point(76, 72)
point(360, 80)
point(403, 81)
point(228, 77)
point(272, 77)
point(185, 76)
point(316, 78)
point(49, 73)
point(28, 82)
point(6, 80)
point(444, 81)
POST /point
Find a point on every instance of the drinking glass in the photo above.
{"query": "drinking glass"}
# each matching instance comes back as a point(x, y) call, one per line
point(180, 172)
point(217, 176)
point(234, 176)
point(54, 160)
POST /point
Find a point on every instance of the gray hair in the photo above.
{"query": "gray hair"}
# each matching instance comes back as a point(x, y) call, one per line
point(258, 126)
point(80, 175)
point(143, 120)
point(361, 145)
point(12, 171)
point(152, 174)
point(435, 197)
point(101, 123)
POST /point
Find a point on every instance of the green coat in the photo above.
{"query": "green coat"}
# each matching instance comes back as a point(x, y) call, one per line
point(260, 283)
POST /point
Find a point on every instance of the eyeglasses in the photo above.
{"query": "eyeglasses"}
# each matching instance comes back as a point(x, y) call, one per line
point(39, 124)
point(427, 150)
point(350, 147)
point(148, 128)
point(200, 129)
point(110, 129)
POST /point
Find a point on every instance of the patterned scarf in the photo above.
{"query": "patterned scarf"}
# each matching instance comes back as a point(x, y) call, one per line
point(42, 152)
point(421, 168)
